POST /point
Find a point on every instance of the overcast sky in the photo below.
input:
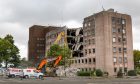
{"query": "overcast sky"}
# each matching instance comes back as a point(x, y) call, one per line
point(16, 16)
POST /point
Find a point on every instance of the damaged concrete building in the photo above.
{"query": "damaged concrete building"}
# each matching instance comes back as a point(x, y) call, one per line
point(74, 39)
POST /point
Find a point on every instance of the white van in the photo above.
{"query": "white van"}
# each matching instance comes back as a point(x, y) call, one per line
point(31, 72)
point(13, 72)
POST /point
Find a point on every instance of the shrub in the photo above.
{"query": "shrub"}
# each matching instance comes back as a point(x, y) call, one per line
point(82, 73)
point(99, 72)
point(132, 73)
point(119, 74)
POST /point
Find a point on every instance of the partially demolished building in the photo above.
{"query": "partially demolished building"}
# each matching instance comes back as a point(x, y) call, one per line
point(74, 39)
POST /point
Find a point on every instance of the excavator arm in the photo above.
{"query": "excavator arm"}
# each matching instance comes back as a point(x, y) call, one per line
point(45, 61)
point(57, 59)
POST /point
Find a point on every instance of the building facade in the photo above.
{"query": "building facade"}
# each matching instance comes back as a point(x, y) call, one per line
point(108, 43)
point(105, 42)
point(74, 40)
point(36, 43)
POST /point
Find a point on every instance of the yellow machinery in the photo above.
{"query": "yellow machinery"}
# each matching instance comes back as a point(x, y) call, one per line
point(57, 59)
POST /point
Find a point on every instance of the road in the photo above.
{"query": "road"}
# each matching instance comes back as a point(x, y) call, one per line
point(55, 80)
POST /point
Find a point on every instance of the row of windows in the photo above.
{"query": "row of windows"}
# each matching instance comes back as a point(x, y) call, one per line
point(86, 61)
point(89, 51)
point(119, 59)
point(89, 41)
point(116, 20)
point(120, 50)
point(119, 30)
point(120, 69)
point(119, 40)
point(39, 39)
point(87, 69)
point(40, 45)
point(89, 32)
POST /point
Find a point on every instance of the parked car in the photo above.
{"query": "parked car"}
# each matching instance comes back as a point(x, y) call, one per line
point(13, 72)
point(31, 72)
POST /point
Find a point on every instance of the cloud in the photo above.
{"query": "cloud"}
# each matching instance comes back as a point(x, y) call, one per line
point(16, 16)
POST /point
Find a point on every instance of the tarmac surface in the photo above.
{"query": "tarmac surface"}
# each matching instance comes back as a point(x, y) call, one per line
point(75, 80)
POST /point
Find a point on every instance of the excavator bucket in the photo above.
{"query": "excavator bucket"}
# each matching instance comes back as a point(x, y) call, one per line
point(57, 60)
point(42, 63)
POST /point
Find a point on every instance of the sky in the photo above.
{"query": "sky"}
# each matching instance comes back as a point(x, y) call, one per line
point(16, 16)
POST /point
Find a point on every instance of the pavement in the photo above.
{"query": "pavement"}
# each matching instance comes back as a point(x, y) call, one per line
point(75, 80)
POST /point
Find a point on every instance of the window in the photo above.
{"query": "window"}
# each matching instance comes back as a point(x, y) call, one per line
point(120, 50)
point(114, 59)
point(113, 20)
point(120, 59)
point(125, 69)
point(86, 61)
point(125, 59)
point(85, 51)
point(113, 30)
point(89, 24)
point(79, 61)
point(93, 50)
point(124, 31)
point(119, 30)
point(82, 60)
point(114, 39)
point(94, 60)
point(75, 61)
point(89, 41)
point(114, 49)
point(93, 41)
point(89, 60)
point(125, 50)
point(115, 69)
point(123, 21)
point(89, 51)
point(119, 39)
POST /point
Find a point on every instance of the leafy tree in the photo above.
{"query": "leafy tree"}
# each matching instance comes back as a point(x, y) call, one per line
point(136, 54)
point(9, 53)
point(64, 51)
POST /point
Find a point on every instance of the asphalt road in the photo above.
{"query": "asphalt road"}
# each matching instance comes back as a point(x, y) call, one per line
point(56, 80)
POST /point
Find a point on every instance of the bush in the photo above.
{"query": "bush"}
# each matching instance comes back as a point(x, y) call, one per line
point(99, 72)
point(82, 73)
point(132, 73)
point(119, 74)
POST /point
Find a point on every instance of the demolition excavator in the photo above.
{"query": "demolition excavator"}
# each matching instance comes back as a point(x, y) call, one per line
point(55, 59)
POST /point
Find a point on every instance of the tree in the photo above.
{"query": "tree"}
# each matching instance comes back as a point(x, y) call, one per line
point(136, 54)
point(64, 51)
point(9, 53)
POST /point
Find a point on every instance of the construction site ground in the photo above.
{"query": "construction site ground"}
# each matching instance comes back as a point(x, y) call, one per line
point(74, 80)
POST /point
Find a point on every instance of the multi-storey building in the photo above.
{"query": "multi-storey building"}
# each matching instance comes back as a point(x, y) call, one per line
point(108, 43)
point(105, 42)
point(36, 43)
point(73, 38)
